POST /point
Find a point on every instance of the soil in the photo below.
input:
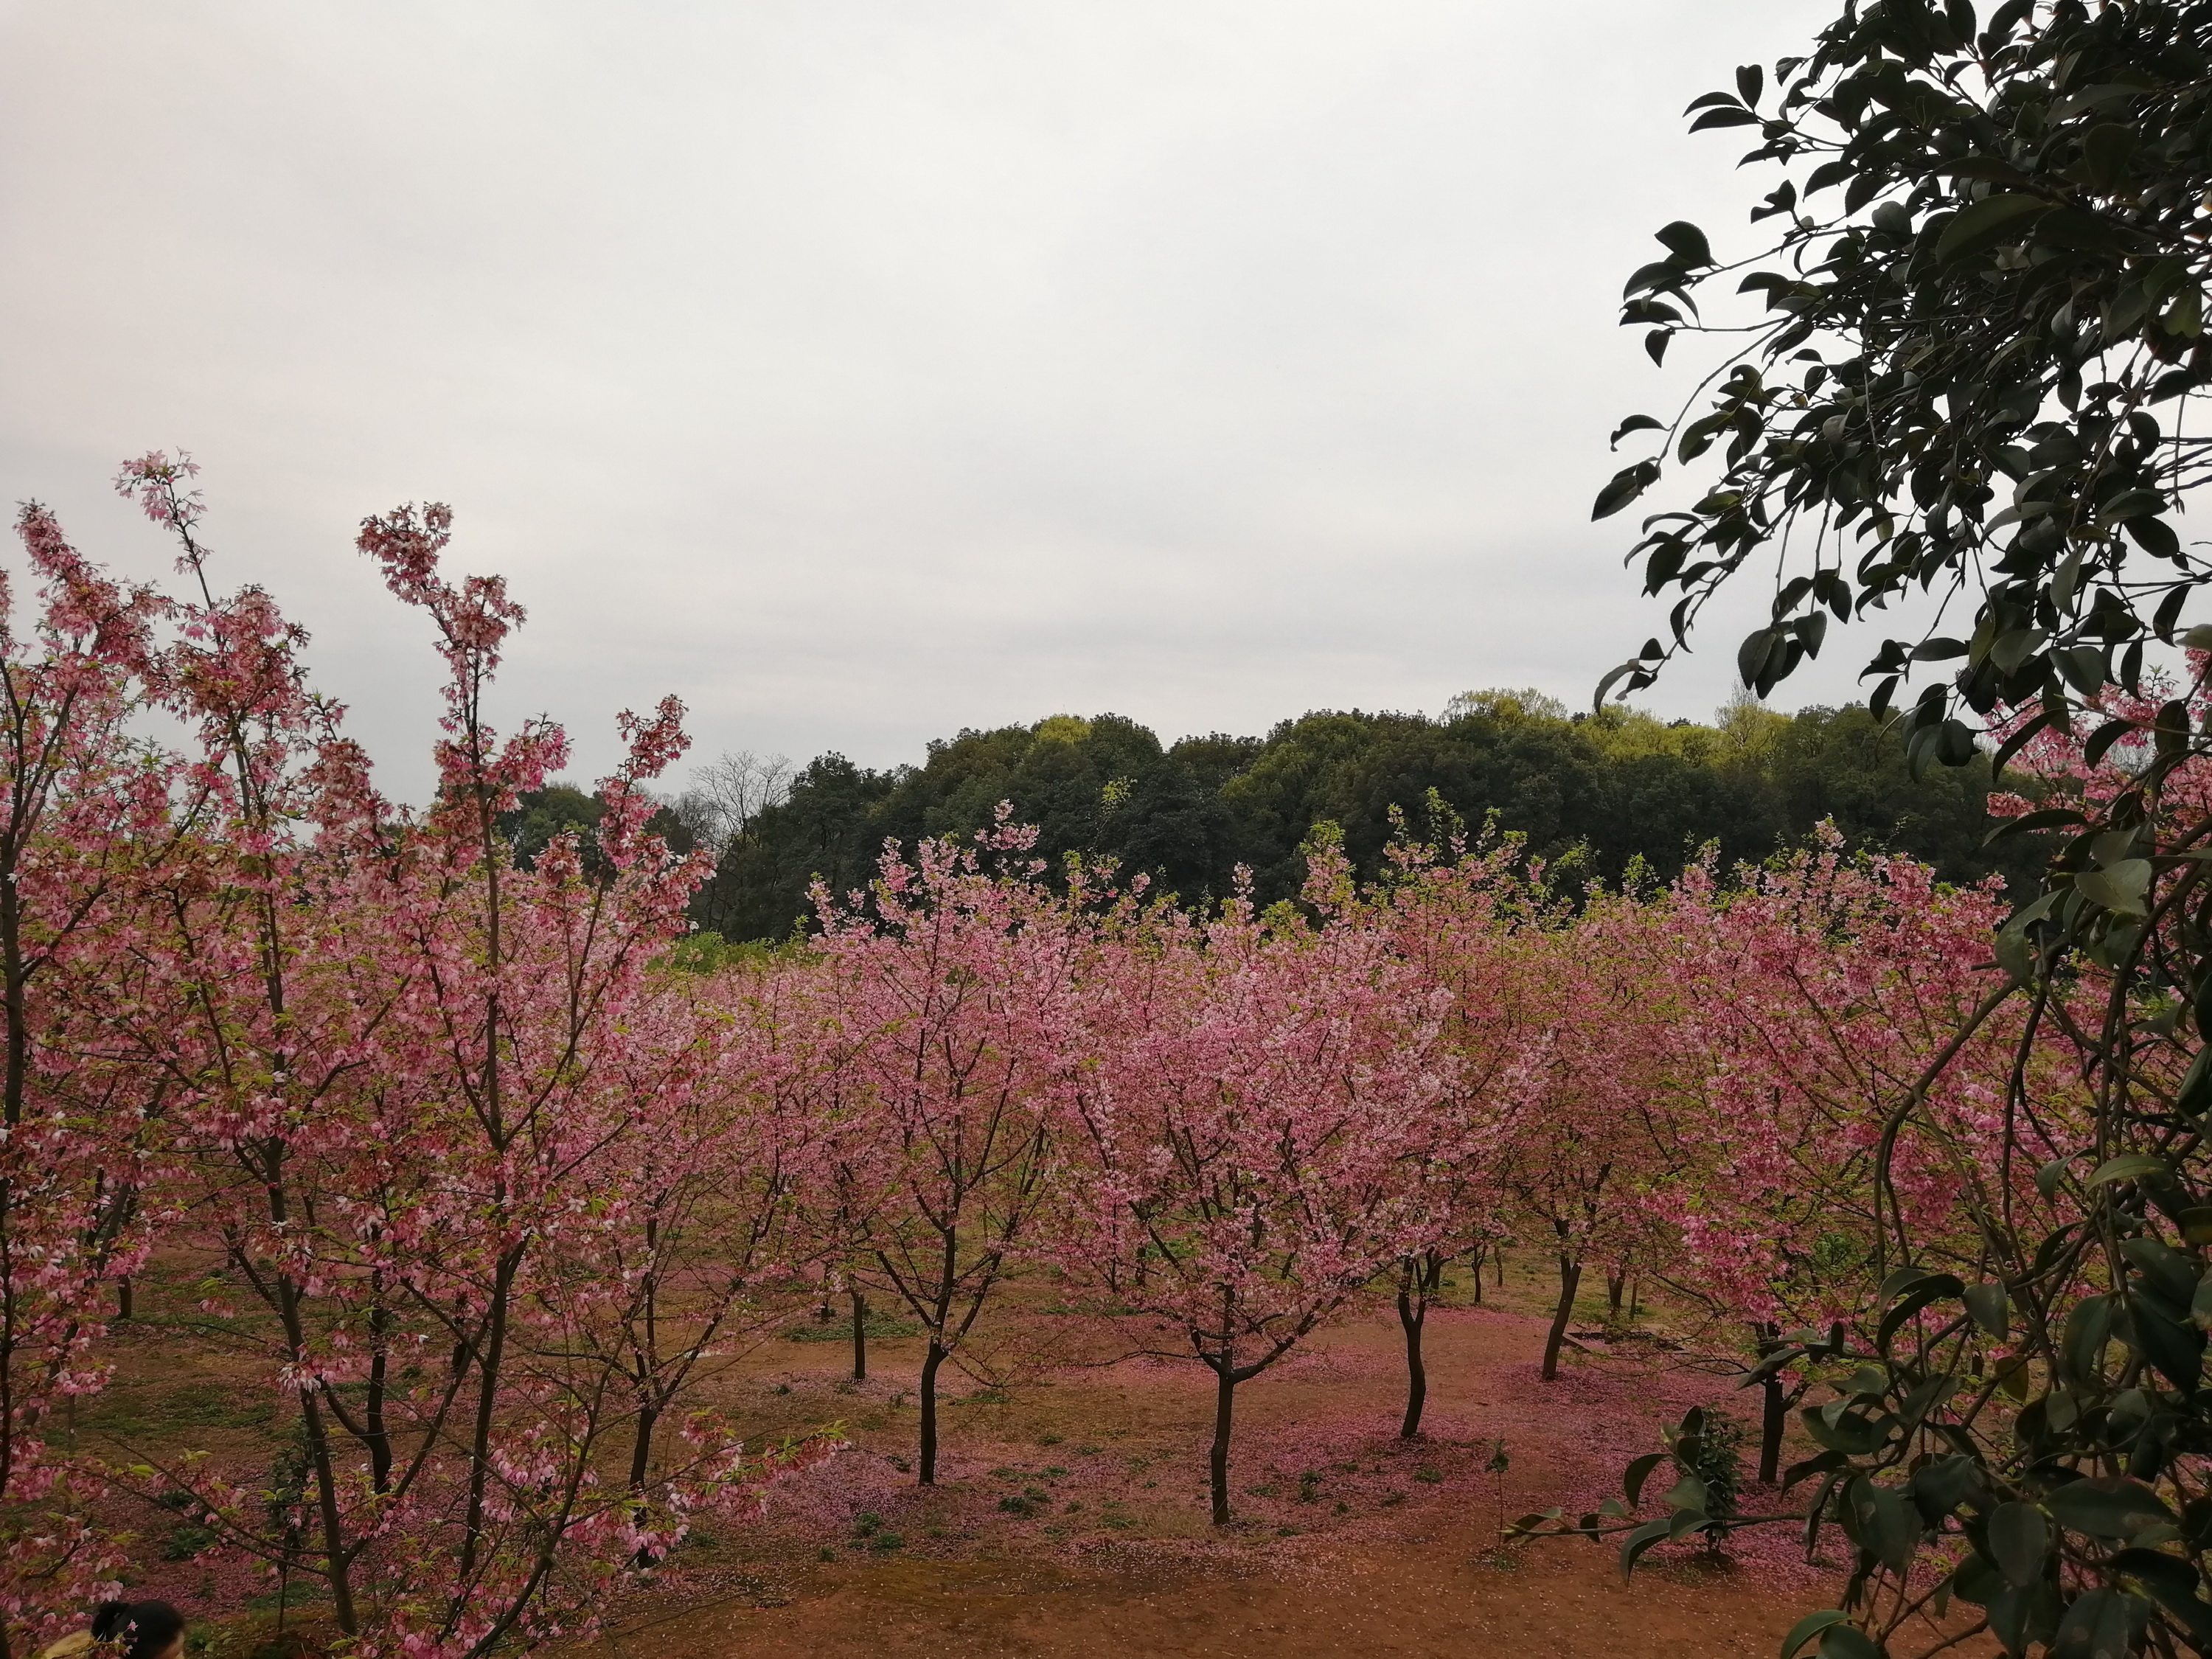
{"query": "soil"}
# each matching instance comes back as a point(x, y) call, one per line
point(1071, 1517)
point(1382, 1547)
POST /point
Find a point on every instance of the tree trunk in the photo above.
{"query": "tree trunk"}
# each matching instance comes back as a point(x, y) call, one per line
point(123, 1300)
point(379, 1437)
point(336, 1559)
point(337, 1562)
point(491, 1366)
point(930, 1362)
point(641, 1451)
point(1571, 1278)
point(1225, 1401)
point(860, 1336)
point(1474, 1262)
point(1774, 1415)
point(1616, 1286)
point(1413, 1314)
point(1501, 1266)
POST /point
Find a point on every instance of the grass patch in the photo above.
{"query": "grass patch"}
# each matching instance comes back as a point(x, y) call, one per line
point(186, 1541)
point(879, 1327)
point(189, 1406)
point(292, 1595)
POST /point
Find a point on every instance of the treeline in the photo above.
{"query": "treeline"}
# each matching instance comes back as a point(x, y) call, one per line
point(1606, 789)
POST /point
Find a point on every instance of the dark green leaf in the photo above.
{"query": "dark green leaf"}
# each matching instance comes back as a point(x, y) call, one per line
point(1938, 650)
point(1807, 1628)
point(1754, 653)
point(2173, 1583)
point(1823, 1464)
point(1988, 1306)
point(2083, 666)
point(2133, 504)
point(1937, 1489)
point(2108, 147)
point(2102, 1624)
point(1626, 485)
point(1687, 1494)
point(2088, 1330)
point(1724, 118)
point(1683, 239)
point(1650, 1533)
point(2127, 1166)
point(2122, 888)
point(2013, 744)
point(1640, 1471)
point(1993, 219)
point(2177, 1350)
point(2019, 1540)
point(1934, 1288)
point(2196, 1092)
point(1850, 1433)
point(2107, 1507)
point(1848, 1642)
point(2153, 535)
point(2103, 738)
point(2046, 817)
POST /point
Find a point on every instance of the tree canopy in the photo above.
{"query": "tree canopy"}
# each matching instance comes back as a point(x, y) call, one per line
point(1612, 790)
point(1977, 359)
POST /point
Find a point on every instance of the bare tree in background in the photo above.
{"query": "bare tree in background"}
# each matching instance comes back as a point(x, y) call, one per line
point(728, 792)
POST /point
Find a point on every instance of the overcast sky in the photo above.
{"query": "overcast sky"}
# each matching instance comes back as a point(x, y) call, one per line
point(861, 370)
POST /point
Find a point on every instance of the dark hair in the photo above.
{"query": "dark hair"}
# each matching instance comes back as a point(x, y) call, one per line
point(142, 1628)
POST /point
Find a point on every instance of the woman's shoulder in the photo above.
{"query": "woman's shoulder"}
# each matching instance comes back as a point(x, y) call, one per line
point(68, 1647)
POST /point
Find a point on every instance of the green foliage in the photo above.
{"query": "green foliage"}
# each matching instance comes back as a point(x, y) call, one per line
point(707, 952)
point(1974, 381)
point(1713, 1454)
point(186, 1539)
point(1976, 359)
point(1620, 790)
point(559, 809)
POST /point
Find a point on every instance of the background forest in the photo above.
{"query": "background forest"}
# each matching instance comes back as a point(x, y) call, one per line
point(1608, 789)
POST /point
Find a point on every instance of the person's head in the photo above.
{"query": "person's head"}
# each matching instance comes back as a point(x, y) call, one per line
point(142, 1630)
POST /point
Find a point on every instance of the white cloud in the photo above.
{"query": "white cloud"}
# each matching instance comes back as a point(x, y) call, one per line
point(864, 370)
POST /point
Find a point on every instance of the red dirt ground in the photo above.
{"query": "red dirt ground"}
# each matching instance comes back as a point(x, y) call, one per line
point(1394, 1552)
point(1070, 1515)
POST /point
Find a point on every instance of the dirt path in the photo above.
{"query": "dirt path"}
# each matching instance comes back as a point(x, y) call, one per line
point(1427, 1601)
point(1349, 1542)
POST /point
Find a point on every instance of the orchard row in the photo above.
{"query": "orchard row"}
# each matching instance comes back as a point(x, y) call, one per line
point(485, 1191)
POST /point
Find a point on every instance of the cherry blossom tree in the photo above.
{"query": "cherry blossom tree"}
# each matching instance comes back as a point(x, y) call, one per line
point(431, 1095)
point(1588, 1140)
point(1461, 915)
point(81, 817)
point(1822, 990)
point(1256, 1125)
point(956, 979)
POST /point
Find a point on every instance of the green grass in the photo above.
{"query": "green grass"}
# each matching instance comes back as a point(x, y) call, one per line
point(189, 1406)
point(297, 1593)
point(879, 1327)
